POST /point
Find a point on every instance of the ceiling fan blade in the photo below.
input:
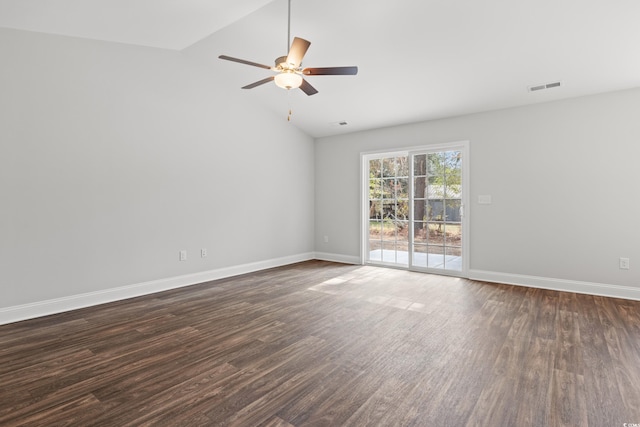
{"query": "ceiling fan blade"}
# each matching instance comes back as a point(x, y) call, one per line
point(242, 61)
point(296, 53)
point(307, 88)
point(331, 71)
point(259, 82)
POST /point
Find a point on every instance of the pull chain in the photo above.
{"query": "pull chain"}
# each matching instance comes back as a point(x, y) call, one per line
point(289, 102)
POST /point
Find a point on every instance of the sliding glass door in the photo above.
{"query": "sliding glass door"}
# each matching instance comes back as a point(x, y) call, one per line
point(437, 210)
point(388, 210)
point(413, 209)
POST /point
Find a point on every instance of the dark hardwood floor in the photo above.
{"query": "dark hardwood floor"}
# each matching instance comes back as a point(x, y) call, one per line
point(318, 343)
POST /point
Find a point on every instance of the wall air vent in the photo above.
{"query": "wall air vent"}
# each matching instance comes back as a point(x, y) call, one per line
point(551, 85)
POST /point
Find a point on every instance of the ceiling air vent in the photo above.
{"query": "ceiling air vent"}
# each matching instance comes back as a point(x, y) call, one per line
point(544, 86)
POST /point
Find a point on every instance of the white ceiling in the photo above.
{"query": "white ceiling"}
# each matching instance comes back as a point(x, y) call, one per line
point(168, 24)
point(417, 59)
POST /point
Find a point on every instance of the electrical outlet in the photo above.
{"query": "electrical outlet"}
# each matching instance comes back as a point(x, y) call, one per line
point(624, 263)
point(203, 253)
point(183, 255)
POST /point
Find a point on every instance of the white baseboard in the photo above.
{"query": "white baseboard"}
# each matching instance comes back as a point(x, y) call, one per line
point(614, 291)
point(345, 259)
point(73, 302)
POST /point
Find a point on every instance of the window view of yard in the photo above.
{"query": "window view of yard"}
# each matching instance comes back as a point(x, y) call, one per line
point(437, 226)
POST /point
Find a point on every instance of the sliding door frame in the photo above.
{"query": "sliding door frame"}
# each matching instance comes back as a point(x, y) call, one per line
point(463, 147)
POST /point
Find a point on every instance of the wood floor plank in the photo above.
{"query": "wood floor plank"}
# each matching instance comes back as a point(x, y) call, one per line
point(568, 354)
point(324, 344)
point(568, 400)
point(76, 411)
point(384, 406)
point(270, 402)
point(604, 400)
point(336, 409)
point(533, 397)
point(175, 402)
point(275, 422)
point(298, 411)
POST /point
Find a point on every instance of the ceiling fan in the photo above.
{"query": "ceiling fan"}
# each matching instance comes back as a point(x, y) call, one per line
point(289, 68)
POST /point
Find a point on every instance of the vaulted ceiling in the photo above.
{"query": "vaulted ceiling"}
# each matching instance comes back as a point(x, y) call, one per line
point(417, 59)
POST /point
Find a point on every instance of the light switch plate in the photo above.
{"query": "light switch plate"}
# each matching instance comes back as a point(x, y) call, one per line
point(624, 263)
point(484, 199)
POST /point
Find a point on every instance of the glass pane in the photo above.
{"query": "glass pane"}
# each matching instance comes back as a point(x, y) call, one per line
point(389, 252)
point(402, 166)
point(389, 167)
point(453, 235)
point(453, 177)
point(402, 188)
point(420, 187)
point(420, 232)
point(453, 174)
point(388, 229)
point(375, 170)
point(375, 188)
point(420, 165)
point(375, 209)
point(420, 210)
point(453, 191)
point(436, 233)
point(452, 160)
point(454, 252)
point(402, 210)
point(388, 208)
point(435, 210)
point(389, 188)
point(402, 235)
point(435, 256)
point(375, 230)
point(452, 210)
point(435, 164)
point(436, 181)
point(419, 255)
point(375, 250)
point(453, 259)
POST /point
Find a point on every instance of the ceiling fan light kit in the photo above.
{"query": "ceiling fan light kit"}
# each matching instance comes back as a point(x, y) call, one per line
point(288, 80)
point(289, 68)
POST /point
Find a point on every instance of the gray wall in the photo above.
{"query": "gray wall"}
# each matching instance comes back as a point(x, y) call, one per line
point(563, 177)
point(115, 157)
